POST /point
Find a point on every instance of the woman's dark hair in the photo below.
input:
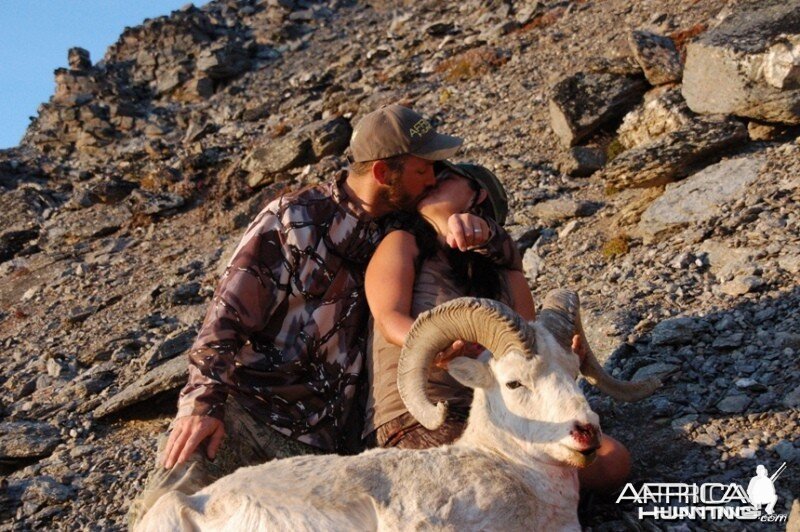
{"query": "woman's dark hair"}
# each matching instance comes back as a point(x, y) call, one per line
point(472, 270)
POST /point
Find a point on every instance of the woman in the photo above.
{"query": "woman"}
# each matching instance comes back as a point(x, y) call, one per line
point(413, 270)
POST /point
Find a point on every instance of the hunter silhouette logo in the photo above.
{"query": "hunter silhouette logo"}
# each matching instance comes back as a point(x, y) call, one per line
point(708, 501)
point(761, 489)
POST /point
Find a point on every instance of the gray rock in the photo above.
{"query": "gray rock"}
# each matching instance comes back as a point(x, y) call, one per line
point(532, 263)
point(781, 67)
point(761, 131)
point(750, 385)
point(701, 196)
point(581, 103)
point(168, 376)
point(660, 370)
point(706, 440)
point(673, 156)
point(676, 331)
point(784, 340)
point(723, 258)
point(328, 137)
point(161, 203)
point(740, 67)
point(186, 294)
point(439, 28)
point(223, 60)
point(787, 451)
point(173, 345)
point(166, 83)
point(657, 56)
point(742, 284)
point(276, 155)
point(582, 161)
point(663, 111)
point(525, 12)
point(27, 439)
point(70, 227)
point(12, 242)
point(561, 209)
point(790, 262)
point(79, 59)
point(44, 490)
point(734, 404)
point(201, 87)
point(729, 341)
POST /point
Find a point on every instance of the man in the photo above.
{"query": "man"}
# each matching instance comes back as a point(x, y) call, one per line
point(277, 362)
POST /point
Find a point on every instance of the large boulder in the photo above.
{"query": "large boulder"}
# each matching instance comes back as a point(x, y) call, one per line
point(748, 65)
point(27, 439)
point(700, 196)
point(583, 102)
point(657, 56)
point(305, 145)
point(673, 156)
point(662, 112)
point(170, 375)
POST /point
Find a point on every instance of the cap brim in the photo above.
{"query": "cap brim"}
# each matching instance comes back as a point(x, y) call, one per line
point(439, 148)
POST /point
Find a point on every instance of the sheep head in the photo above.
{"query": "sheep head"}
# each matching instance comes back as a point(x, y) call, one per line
point(529, 383)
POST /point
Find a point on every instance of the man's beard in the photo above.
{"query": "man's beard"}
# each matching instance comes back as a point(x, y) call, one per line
point(395, 195)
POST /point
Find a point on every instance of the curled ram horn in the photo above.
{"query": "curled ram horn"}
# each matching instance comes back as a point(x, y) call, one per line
point(561, 315)
point(484, 321)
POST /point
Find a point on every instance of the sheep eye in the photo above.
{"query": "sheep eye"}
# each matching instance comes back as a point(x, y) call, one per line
point(513, 385)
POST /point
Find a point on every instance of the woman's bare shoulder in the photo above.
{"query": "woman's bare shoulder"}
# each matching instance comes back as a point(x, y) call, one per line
point(398, 241)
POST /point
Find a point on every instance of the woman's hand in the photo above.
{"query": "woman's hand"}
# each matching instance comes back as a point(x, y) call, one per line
point(579, 347)
point(465, 231)
point(460, 348)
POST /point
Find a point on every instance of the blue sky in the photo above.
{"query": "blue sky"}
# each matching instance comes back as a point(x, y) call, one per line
point(35, 36)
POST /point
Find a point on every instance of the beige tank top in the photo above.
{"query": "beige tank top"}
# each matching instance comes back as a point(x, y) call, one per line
point(433, 286)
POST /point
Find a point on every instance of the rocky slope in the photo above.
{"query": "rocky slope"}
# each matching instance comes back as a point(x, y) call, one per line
point(679, 227)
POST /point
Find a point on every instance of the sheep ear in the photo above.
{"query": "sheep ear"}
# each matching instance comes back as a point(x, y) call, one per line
point(470, 372)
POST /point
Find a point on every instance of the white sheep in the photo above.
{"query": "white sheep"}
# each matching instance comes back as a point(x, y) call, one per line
point(514, 467)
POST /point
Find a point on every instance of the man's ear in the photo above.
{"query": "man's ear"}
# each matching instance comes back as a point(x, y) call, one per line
point(380, 172)
point(470, 372)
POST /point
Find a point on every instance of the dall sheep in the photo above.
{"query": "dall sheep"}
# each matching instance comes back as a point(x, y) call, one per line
point(514, 467)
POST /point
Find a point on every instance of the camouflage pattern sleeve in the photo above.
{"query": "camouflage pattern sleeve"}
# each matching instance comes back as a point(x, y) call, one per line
point(500, 248)
point(253, 285)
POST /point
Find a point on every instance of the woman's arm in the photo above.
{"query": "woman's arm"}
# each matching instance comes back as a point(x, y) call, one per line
point(523, 300)
point(389, 285)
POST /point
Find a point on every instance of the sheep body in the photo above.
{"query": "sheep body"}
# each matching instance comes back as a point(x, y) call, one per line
point(454, 488)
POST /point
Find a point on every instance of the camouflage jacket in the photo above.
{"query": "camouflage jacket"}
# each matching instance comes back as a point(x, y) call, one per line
point(286, 329)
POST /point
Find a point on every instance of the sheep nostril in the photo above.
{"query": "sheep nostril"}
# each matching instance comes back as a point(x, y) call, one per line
point(584, 432)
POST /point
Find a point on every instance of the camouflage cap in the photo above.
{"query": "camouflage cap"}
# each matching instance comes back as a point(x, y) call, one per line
point(397, 130)
point(485, 178)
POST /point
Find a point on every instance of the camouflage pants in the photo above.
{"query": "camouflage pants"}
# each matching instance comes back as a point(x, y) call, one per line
point(247, 442)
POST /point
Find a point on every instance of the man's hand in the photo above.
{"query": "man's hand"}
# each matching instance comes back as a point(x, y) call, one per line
point(187, 433)
point(466, 231)
point(460, 348)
